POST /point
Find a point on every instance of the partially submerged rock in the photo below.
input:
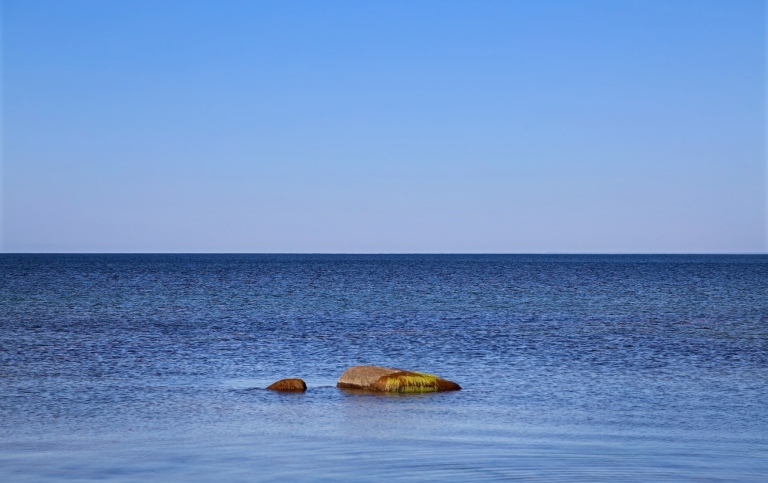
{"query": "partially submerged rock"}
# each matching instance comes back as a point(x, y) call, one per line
point(410, 381)
point(363, 377)
point(388, 379)
point(288, 385)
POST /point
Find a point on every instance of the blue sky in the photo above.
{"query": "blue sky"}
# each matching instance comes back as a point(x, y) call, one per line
point(369, 127)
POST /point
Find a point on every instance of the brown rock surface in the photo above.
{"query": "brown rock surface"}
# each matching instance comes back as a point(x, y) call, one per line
point(288, 385)
point(363, 377)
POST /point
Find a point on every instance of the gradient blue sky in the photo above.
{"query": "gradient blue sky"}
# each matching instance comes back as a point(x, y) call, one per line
point(417, 126)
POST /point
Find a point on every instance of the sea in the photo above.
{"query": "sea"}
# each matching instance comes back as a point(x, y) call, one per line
point(573, 367)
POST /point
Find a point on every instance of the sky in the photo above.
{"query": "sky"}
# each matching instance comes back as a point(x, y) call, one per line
point(528, 126)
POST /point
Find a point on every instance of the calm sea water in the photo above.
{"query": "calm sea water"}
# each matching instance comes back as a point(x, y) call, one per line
point(574, 368)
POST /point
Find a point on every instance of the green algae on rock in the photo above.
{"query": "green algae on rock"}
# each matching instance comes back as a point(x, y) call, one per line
point(387, 379)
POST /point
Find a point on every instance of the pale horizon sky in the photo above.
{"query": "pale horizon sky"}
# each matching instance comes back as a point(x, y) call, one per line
point(384, 127)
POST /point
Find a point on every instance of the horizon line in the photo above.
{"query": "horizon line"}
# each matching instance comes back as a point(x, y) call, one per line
point(389, 253)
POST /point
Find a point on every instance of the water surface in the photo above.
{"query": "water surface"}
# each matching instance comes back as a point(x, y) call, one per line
point(574, 368)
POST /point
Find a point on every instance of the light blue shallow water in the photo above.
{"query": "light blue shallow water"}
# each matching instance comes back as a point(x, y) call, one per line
point(574, 368)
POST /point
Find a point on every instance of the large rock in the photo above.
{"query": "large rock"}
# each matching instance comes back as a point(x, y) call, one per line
point(363, 377)
point(288, 385)
point(388, 379)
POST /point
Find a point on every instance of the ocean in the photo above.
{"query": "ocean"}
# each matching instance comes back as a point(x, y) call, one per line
point(573, 367)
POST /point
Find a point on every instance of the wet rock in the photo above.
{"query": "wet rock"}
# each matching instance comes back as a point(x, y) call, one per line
point(288, 385)
point(388, 379)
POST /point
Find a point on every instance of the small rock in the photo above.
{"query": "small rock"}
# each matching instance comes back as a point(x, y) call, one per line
point(288, 385)
point(388, 379)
